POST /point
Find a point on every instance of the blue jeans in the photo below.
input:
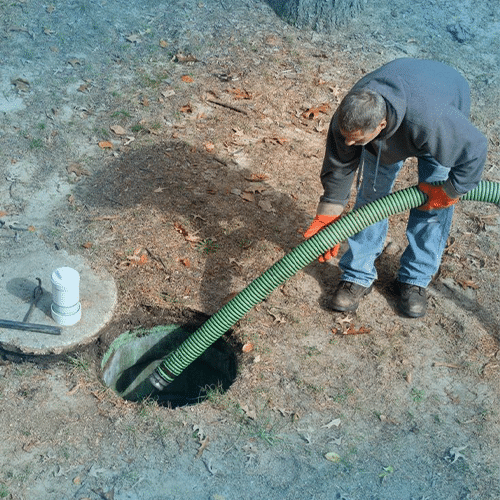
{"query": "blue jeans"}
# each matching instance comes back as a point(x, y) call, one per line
point(427, 231)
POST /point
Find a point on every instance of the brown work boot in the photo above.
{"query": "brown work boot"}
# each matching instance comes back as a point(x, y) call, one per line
point(412, 300)
point(348, 295)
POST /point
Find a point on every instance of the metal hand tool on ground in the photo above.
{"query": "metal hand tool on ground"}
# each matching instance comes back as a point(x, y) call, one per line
point(32, 327)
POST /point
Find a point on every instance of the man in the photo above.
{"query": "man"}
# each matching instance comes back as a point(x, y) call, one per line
point(406, 108)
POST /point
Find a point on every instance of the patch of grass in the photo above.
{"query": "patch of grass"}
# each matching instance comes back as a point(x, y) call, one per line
point(163, 431)
point(418, 395)
point(386, 472)
point(147, 407)
point(121, 113)
point(312, 351)
point(341, 397)
point(245, 243)
point(317, 389)
point(104, 133)
point(154, 81)
point(36, 144)
point(171, 299)
point(461, 466)
point(137, 128)
point(79, 362)
point(4, 491)
point(257, 425)
point(215, 395)
point(207, 246)
point(265, 432)
point(437, 419)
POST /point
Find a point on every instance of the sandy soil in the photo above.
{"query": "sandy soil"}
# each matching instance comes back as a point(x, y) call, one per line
point(179, 147)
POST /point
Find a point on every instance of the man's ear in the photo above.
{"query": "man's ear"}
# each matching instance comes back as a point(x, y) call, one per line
point(383, 124)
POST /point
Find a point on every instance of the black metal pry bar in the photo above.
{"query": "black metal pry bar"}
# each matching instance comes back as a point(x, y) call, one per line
point(31, 327)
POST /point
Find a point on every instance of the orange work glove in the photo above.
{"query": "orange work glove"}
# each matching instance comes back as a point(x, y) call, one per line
point(319, 222)
point(436, 197)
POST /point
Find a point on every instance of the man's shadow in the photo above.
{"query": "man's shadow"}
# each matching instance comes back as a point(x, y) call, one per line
point(222, 205)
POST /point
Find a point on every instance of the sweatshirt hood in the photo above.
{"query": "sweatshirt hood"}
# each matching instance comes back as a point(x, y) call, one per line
point(395, 98)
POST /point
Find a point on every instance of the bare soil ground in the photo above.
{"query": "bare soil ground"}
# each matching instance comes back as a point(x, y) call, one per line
point(179, 146)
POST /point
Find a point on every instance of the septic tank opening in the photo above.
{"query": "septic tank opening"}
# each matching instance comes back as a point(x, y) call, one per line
point(134, 355)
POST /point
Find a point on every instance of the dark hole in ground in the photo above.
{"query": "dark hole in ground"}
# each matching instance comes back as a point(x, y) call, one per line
point(132, 357)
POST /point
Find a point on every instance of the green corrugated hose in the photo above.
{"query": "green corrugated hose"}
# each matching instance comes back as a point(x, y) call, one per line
point(176, 361)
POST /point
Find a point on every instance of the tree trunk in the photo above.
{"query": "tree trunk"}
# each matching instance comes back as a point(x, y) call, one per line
point(319, 15)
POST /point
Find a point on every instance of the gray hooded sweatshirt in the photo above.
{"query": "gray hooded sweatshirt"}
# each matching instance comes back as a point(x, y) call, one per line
point(428, 106)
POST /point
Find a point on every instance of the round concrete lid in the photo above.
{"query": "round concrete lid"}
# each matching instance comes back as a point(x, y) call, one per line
point(18, 275)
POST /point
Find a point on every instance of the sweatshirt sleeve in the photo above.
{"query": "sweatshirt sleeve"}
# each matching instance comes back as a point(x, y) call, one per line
point(337, 174)
point(455, 143)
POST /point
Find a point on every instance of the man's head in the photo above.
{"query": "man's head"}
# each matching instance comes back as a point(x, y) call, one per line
point(362, 116)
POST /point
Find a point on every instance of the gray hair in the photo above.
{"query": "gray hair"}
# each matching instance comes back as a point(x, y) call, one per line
point(361, 110)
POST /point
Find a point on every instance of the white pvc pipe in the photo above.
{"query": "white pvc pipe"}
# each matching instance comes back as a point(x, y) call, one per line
point(66, 309)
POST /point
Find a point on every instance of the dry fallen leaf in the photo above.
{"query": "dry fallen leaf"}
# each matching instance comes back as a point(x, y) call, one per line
point(455, 454)
point(209, 146)
point(240, 94)
point(247, 196)
point(105, 144)
point(249, 412)
point(133, 39)
point(77, 169)
point(188, 237)
point(181, 58)
point(313, 113)
point(163, 43)
point(203, 445)
point(333, 457)
point(336, 422)
point(21, 84)
point(352, 331)
point(75, 62)
point(347, 320)
point(2, 214)
point(134, 259)
point(118, 129)
point(267, 206)
point(275, 140)
point(248, 347)
point(187, 79)
point(21, 29)
point(467, 284)
point(186, 109)
point(87, 245)
point(257, 177)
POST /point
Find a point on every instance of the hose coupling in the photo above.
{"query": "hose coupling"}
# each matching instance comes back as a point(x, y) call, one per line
point(158, 382)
